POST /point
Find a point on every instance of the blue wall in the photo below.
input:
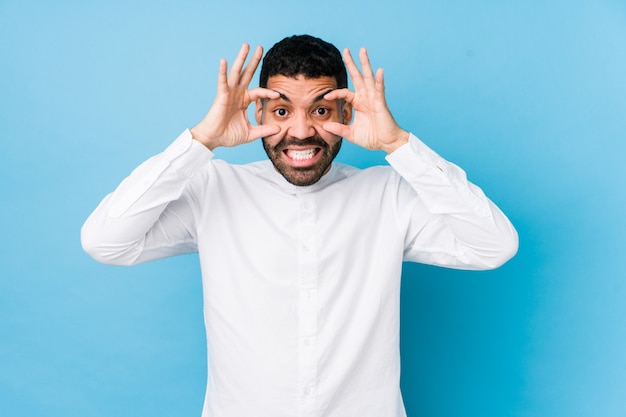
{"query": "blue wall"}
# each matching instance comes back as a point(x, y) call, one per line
point(529, 97)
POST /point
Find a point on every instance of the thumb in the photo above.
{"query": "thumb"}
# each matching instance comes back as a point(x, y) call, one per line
point(338, 129)
point(262, 131)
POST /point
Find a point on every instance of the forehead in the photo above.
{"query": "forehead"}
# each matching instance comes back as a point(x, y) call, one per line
point(299, 88)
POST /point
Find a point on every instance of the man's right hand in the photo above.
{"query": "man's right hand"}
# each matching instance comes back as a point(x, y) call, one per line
point(227, 123)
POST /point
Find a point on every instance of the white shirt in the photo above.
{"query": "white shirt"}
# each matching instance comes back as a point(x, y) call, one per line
point(301, 284)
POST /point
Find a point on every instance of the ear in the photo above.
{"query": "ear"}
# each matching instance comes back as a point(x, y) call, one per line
point(258, 112)
point(346, 113)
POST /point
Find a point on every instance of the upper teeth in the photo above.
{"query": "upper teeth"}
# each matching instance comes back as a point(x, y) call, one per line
point(300, 155)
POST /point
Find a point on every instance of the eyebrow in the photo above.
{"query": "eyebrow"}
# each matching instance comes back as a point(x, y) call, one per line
point(317, 98)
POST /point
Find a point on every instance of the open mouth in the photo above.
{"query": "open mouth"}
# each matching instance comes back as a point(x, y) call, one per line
point(302, 157)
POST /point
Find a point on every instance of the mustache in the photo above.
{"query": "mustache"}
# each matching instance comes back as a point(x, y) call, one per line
point(310, 141)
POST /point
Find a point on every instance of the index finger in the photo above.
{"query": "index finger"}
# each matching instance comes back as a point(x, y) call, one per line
point(340, 94)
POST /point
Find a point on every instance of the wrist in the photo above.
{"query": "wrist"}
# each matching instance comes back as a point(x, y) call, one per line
point(198, 136)
point(399, 139)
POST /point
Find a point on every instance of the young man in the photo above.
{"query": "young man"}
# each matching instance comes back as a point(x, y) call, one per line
point(301, 257)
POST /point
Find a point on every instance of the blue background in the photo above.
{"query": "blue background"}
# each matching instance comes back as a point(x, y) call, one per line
point(528, 97)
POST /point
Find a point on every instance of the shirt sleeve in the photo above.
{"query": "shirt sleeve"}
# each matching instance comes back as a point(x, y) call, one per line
point(148, 216)
point(451, 223)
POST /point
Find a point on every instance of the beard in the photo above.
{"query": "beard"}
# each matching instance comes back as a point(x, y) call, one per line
point(302, 176)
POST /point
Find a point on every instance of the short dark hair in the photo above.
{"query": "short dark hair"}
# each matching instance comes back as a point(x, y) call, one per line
point(304, 55)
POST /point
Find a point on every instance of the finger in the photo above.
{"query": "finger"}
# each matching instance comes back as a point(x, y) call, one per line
point(222, 80)
point(257, 93)
point(380, 85)
point(262, 131)
point(380, 79)
point(235, 71)
point(250, 69)
point(338, 129)
point(340, 94)
point(366, 67)
point(355, 75)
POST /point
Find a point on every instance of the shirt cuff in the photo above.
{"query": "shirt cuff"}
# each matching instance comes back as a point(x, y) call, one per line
point(414, 159)
point(186, 155)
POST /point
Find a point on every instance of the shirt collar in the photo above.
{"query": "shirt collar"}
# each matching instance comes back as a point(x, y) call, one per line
point(276, 177)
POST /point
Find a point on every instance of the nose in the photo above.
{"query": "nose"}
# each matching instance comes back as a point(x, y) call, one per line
point(301, 127)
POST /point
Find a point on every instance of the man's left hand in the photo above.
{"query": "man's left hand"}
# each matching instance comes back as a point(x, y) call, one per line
point(373, 127)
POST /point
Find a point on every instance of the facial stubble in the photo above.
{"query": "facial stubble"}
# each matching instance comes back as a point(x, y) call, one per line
point(302, 176)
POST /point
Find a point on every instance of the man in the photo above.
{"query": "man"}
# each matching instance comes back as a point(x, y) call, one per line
point(301, 257)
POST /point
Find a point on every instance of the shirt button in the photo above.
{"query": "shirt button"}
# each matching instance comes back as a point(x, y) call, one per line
point(307, 342)
point(307, 391)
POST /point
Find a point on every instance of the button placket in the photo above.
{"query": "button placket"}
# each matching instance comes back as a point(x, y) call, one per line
point(308, 305)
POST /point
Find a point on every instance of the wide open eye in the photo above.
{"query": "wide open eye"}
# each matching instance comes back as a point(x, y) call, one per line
point(321, 111)
point(281, 112)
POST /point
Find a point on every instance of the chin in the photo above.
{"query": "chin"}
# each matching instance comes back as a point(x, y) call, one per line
point(302, 177)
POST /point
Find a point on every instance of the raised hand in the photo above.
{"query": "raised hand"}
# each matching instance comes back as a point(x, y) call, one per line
point(373, 126)
point(227, 123)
